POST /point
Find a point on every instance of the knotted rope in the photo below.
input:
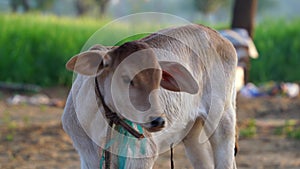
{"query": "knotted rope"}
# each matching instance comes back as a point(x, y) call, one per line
point(115, 119)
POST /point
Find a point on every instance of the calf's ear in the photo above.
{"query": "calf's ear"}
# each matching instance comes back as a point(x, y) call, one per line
point(89, 63)
point(177, 78)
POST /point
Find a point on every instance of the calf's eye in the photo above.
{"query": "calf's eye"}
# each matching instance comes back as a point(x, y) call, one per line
point(127, 80)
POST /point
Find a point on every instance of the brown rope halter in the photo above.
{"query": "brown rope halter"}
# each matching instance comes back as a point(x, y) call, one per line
point(115, 119)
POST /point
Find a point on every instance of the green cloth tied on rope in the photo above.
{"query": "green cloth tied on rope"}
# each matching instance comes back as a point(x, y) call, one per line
point(125, 142)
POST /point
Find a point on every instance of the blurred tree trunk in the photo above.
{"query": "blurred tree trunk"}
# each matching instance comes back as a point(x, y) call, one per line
point(244, 12)
point(25, 5)
point(15, 3)
point(244, 15)
point(81, 7)
point(103, 5)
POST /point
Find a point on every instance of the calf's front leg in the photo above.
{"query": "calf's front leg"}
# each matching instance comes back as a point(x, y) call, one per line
point(218, 151)
point(199, 154)
point(223, 141)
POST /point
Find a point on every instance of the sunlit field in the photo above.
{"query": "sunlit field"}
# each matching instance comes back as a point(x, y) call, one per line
point(39, 46)
point(34, 49)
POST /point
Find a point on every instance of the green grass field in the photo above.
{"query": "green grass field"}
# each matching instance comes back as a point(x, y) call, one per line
point(278, 44)
point(35, 48)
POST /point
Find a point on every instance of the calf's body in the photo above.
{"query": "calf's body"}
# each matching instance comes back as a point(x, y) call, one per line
point(202, 116)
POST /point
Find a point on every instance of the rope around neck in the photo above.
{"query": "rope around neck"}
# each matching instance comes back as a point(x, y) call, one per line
point(122, 143)
point(115, 119)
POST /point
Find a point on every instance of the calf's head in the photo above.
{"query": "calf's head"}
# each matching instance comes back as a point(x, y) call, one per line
point(130, 77)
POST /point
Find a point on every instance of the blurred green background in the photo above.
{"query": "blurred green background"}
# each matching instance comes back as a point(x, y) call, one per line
point(37, 39)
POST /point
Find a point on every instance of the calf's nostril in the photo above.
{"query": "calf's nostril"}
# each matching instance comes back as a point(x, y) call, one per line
point(158, 122)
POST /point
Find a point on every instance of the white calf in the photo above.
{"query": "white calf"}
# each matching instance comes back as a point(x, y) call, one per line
point(180, 85)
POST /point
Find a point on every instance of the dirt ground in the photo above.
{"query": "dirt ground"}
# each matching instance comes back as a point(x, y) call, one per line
point(32, 136)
